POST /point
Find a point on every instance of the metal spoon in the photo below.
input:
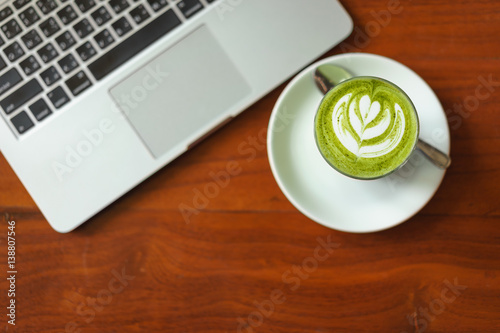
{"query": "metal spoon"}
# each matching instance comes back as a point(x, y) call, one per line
point(327, 76)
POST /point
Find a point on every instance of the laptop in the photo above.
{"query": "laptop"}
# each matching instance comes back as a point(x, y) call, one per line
point(96, 96)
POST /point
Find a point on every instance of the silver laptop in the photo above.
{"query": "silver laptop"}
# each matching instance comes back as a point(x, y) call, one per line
point(95, 96)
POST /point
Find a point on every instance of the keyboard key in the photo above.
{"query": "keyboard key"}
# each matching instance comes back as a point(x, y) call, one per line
point(67, 14)
point(31, 39)
point(14, 51)
point(78, 83)
point(104, 39)
point(134, 44)
point(40, 110)
point(46, 6)
point(65, 40)
point(4, 13)
point(101, 16)
point(11, 29)
point(84, 5)
point(122, 26)
point(157, 4)
point(29, 65)
point(139, 14)
point(29, 16)
point(9, 80)
point(83, 28)
point(49, 27)
point(58, 97)
point(86, 51)
point(22, 122)
point(68, 63)
point(47, 53)
point(19, 97)
point(2, 64)
point(1, 41)
point(20, 3)
point(50, 76)
point(189, 7)
point(118, 6)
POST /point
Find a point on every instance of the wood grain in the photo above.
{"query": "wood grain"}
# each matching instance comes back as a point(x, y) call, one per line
point(153, 271)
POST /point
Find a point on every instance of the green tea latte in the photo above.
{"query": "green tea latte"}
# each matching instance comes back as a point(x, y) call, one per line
point(366, 127)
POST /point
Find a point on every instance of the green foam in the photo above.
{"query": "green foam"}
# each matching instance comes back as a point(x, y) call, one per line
point(388, 95)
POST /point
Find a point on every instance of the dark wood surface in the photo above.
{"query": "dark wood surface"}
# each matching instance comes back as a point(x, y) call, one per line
point(237, 266)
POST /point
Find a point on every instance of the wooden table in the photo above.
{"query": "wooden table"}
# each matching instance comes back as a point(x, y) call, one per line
point(244, 262)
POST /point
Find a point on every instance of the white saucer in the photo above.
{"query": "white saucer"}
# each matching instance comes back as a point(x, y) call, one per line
point(334, 200)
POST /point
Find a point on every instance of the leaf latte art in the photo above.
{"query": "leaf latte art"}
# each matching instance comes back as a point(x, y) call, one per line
point(366, 127)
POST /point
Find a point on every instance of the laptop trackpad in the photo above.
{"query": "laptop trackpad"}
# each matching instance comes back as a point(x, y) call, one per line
point(180, 92)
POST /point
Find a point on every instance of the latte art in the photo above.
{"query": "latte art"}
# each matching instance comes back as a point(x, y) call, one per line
point(366, 127)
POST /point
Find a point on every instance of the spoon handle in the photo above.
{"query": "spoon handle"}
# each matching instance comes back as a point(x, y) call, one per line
point(437, 157)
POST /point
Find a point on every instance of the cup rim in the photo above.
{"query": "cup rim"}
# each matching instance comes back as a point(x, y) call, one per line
point(414, 111)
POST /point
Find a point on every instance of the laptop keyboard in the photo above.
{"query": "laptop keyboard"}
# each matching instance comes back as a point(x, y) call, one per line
point(54, 50)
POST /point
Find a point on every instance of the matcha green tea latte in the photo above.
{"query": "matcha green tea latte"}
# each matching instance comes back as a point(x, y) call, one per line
point(366, 127)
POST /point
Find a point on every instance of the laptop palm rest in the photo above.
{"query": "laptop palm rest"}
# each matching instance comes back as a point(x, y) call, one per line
point(178, 93)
